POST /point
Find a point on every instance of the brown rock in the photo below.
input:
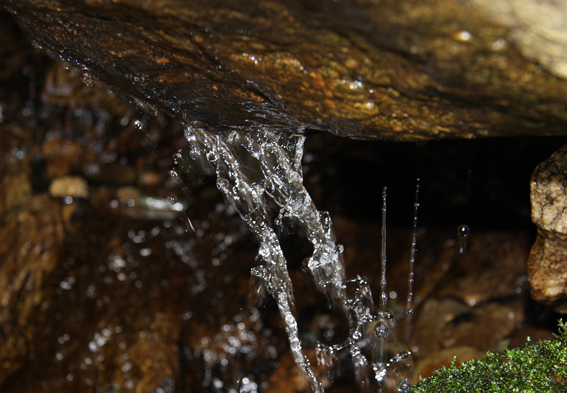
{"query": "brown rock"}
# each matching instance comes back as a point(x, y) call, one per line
point(16, 189)
point(547, 264)
point(493, 267)
point(30, 253)
point(444, 358)
point(74, 318)
point(397, 70)
point(447, 323)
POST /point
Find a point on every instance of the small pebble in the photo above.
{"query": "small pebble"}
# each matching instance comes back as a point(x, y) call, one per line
point(69, 186)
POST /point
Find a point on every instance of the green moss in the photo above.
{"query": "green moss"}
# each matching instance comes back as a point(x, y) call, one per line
point(534, 367)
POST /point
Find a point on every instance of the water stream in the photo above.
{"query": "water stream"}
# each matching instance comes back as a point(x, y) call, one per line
point(260, 174)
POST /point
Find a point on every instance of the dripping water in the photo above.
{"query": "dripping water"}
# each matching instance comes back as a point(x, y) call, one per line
point(413, 250)
point(462, 239)
point(383, 259)
point(384, 319)
point(385, 322)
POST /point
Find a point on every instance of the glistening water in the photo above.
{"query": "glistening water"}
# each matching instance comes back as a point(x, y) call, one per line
point(260, 174)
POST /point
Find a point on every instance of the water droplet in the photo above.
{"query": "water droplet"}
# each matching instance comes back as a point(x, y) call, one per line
point(462, 239)
point(499, 44)
point(403, 385)
point(36, 44)
point(462, 36)
point(381, 329)
point(86, 76)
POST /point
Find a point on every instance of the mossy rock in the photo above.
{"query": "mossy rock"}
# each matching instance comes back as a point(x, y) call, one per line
point(538, 367)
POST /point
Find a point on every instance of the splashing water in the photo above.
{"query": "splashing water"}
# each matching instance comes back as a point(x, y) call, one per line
point(260, 174)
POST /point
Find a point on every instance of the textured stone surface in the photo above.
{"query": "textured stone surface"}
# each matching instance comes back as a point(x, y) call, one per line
point(548, 193)
point(547, 264)
point(401, 70)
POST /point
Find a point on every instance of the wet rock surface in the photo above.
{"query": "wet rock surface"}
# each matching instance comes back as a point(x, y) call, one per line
point(409, 70)
point(115, 290)
point(548, 257)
